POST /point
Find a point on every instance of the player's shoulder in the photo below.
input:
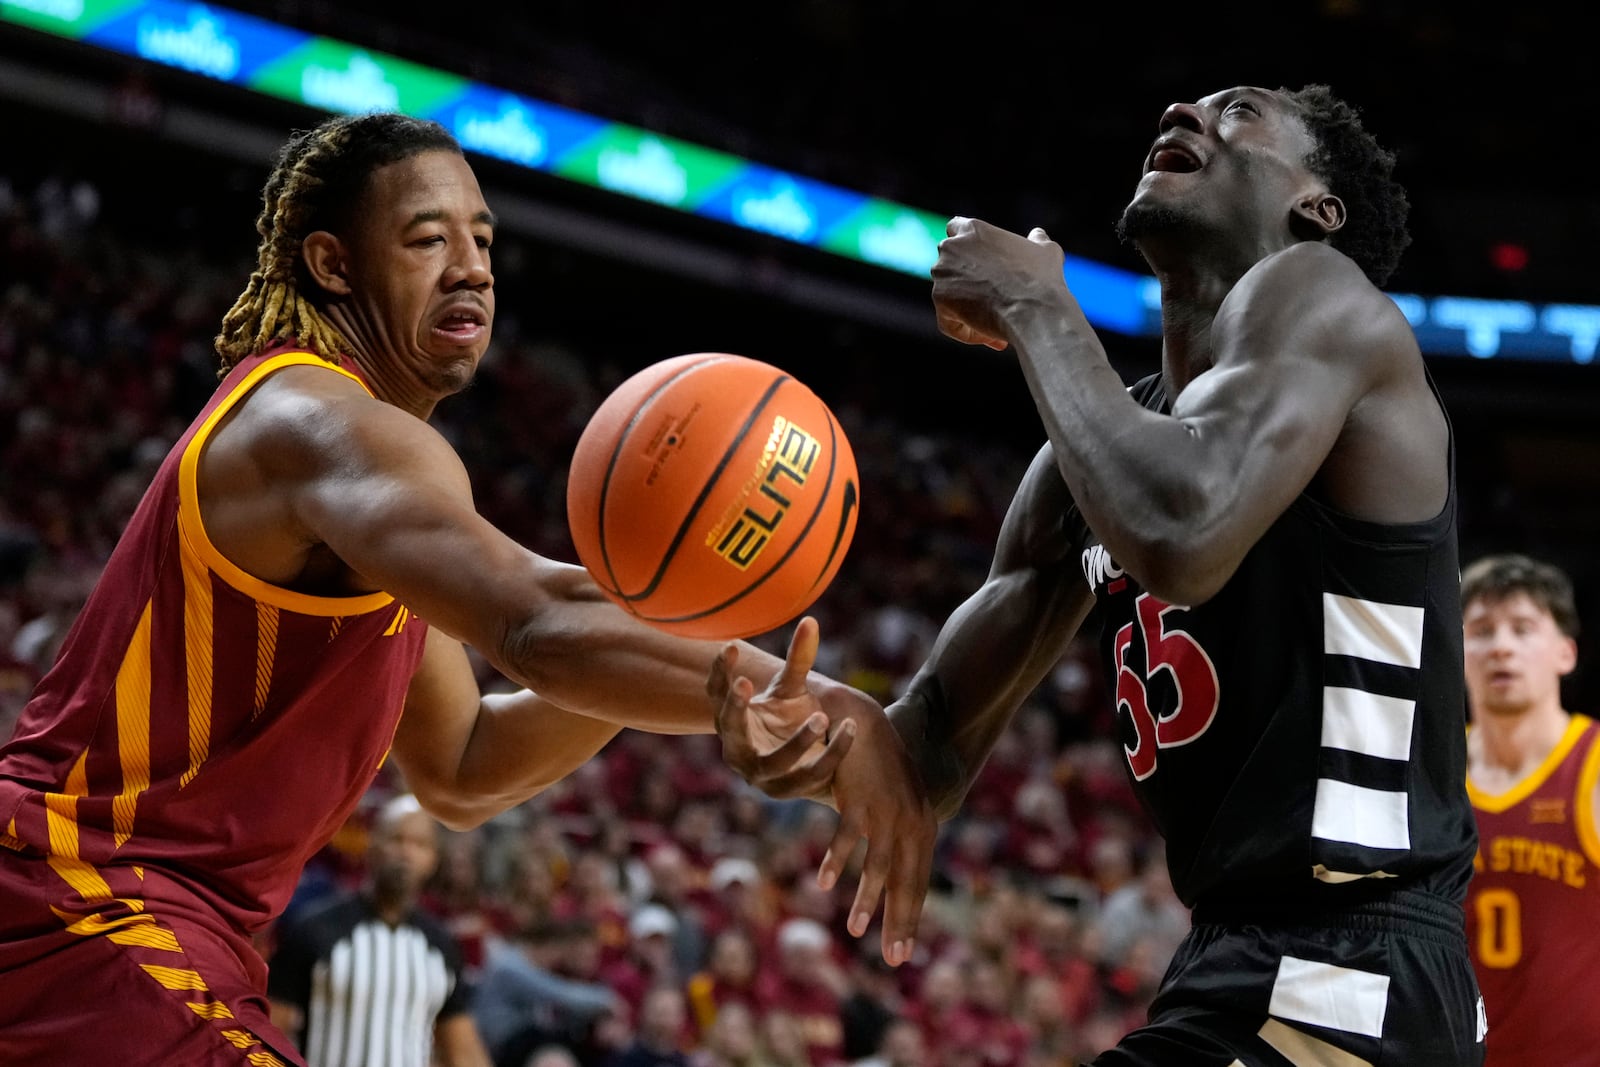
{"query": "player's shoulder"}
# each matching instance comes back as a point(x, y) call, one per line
point(310, 418)
point(1312, 301)
point(1315, 277)
point(305, 396)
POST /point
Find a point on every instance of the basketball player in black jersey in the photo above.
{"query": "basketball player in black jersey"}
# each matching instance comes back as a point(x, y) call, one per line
point(1268, 529)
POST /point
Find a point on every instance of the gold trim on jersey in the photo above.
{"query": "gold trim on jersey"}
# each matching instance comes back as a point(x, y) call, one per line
point(1496, 803)
point(193, 531)
point(1583, 814)
point(133, 729)
point(198, 639)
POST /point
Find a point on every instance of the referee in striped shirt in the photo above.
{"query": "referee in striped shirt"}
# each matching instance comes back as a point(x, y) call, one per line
point(368, 980)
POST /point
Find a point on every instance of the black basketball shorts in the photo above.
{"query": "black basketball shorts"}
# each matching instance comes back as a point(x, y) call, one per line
point(1386, 984)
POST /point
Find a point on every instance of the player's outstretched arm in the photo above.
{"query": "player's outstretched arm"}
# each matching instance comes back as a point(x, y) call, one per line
point(999, 644)
point(312, 460)
point(1179, 499)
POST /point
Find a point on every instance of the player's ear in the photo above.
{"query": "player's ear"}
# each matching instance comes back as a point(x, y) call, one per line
point(1567, 661)
point(1318, 215)
point(327, 261)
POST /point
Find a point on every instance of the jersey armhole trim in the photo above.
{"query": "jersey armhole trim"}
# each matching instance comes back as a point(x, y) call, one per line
point(1495, 803)
point(192, 529)
point(1583, 805)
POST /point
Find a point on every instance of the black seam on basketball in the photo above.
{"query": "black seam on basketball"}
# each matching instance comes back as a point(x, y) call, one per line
point(846, 508)
point(705, 491)
point(611, 466)
point(827, 489)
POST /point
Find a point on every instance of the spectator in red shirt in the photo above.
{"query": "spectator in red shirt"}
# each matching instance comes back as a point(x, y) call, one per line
point(999, 1039)
point(733, 1041)
point(808, 984)
point(1055, 951)
point(940, 1006)
point(1040, 838)
point(1043, 1014)
point(729, 977)
point(648, 962)
point(739, 896)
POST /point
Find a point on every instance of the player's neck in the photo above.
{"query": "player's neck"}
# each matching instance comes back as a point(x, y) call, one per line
point(1510, 747)
point(368, 345)
point(1192, 290)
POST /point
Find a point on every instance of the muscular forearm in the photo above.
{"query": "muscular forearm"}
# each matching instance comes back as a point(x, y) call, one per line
point(1133, 473)
point(521, 744)
point(989, 657)
point(586, 654)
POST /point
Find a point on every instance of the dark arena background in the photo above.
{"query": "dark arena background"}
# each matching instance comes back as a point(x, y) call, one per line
point(772, 180)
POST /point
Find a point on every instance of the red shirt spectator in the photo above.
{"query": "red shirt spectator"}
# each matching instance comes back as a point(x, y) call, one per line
point(808, 985)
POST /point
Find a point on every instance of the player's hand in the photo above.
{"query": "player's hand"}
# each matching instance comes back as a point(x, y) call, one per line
point(782, 740)
point(779, 741)
point(982, 270)
point(880, 797)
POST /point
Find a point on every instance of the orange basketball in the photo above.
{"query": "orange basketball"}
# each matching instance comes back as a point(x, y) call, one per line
point(713, 496)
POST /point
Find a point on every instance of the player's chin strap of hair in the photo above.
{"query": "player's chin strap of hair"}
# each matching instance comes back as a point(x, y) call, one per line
point(922, 719)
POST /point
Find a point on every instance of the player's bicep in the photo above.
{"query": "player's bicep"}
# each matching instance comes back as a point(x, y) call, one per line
point(1295, 348)
point(394, 503)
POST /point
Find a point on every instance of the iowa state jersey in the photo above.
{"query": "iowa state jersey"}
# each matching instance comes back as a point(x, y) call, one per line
point(1532, 905)
point(1299, 739)
point(202, 733)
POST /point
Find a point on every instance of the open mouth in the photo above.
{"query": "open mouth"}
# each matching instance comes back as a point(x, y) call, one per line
point(1174, 159)
point(461, 326)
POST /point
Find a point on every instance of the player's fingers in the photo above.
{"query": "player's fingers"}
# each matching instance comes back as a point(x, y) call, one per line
point(791, 681)
point(733, 726)
point(845, 838)
point(791, 774)
point(955, 328)
point(785, 771)
point(721, 673)
point(874, 873)
point(959, 225)
point(907, 890)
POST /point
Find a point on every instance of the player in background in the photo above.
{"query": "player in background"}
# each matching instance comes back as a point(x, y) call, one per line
point(1268, 529)
point(1533, 769)
point(305, 567)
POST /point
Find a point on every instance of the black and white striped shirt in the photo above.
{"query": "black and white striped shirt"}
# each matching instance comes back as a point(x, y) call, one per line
point(369, 993)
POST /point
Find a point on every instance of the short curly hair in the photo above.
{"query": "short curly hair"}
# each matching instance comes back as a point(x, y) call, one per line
point(1360, 172)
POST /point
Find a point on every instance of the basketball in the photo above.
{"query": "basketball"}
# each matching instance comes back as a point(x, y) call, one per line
point(713, 496)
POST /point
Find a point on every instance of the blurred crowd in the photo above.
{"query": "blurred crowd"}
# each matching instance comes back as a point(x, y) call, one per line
point(650, 900)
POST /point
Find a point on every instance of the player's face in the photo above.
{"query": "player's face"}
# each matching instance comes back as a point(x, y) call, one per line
point(420, 269)
point(1516, 655)
point(1233, 161)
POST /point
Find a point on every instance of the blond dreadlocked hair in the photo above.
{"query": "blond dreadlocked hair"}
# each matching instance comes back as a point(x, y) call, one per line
point(315, 184)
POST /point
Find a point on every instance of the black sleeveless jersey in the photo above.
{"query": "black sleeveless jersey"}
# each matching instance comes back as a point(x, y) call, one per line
point(1299, 739)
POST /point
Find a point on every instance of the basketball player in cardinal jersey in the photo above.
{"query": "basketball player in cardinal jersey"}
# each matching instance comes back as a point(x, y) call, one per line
point(1531, 773)
point(287, 608)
